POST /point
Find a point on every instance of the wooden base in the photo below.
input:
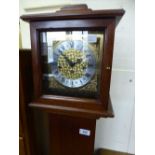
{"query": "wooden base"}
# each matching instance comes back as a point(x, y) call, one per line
point(59, 134)
point(110, 152)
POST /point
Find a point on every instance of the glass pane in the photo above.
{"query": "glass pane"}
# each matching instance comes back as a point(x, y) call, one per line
point(71, 62)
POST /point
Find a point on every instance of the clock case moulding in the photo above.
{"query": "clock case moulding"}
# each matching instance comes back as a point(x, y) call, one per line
point(76, 17)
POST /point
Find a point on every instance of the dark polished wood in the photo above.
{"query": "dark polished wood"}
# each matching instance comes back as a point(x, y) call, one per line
point(78, 17)
point(25, 96)
point(65, 138)
point(22, 150)
point(74, 12)
point(53, 121)
point(73, 111)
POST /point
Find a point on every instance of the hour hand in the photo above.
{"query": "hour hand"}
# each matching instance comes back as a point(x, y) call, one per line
point(69, 61)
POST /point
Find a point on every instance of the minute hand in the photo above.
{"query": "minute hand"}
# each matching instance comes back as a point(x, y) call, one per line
point(69, 61)
point(78, 61)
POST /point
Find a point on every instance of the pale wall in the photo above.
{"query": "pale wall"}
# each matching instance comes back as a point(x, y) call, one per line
point(116, 133)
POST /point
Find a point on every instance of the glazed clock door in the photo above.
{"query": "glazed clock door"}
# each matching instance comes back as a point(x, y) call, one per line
point(71, 62)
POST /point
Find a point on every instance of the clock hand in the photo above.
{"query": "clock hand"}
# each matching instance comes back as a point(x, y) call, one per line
point(68, 60)
point(77, 62)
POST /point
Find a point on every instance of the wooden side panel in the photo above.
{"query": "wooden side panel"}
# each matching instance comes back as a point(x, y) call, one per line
point(21, 147)
point(20, 128)
point(25, 95)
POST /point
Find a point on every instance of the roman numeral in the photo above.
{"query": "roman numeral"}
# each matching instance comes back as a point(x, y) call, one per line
point(90, 65)
point(71, 44)
point(87, 75)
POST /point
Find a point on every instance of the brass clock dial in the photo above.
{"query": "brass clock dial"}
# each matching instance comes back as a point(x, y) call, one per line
point(74, 63)
point(71, 62)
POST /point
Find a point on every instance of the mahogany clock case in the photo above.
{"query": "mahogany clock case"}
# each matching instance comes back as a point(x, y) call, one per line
point(78, 18)
point(51, 120)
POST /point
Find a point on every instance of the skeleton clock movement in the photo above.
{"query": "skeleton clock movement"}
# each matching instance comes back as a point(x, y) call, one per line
point(72, 52)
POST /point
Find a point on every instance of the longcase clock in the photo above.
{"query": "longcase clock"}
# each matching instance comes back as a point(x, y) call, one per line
point(72, 52)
